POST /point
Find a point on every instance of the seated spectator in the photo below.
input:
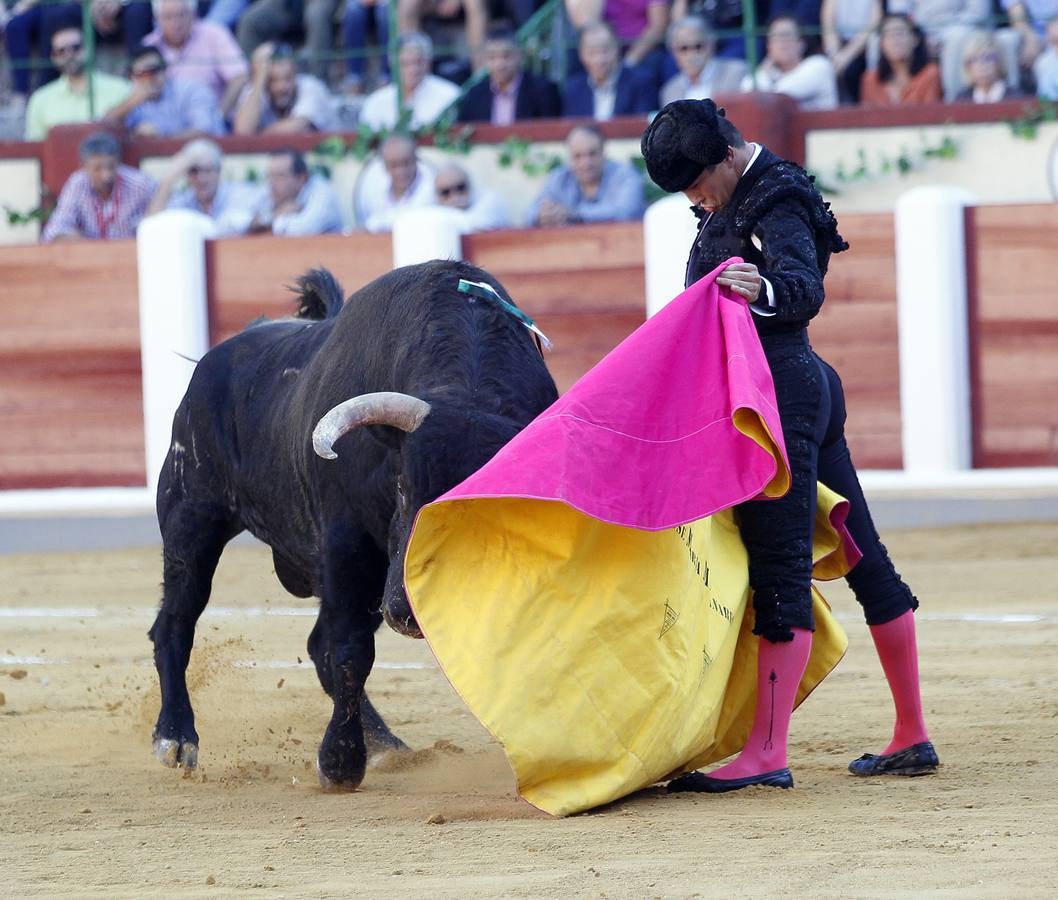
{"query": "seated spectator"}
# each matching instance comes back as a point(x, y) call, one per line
point(701, 75)
point(160, 106)
point(947, 24)
point(904, 74)
point(639, 27)
point(230, 204)
point(480, 209)
point(786, 70)
point(721, 16)
point(103, 199)
point(272, 20)
point(66, 99)
point(449, 17)
point(847, 29)
point(510, 93)
point(403, 183)
point(1046, 66)
point(355, 19)
point(199, 51)
point(280, 101)
point(296, 203)
point(426, 95)
point(984, 71)
point(30, 28)
point(591, 188)
point(1028, 27)
point(605, 88)
point(120, 26)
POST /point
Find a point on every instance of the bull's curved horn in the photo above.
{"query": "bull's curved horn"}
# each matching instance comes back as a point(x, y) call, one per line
point(402, 411)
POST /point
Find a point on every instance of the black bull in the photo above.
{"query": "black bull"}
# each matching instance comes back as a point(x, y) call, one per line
point(461, 377)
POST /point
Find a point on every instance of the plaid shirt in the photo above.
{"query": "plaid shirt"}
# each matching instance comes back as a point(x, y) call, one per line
point(81, 212)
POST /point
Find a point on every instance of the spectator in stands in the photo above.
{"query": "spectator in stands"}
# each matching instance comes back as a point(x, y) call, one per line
point(355, 19)
point(120, 25)
point(591, 188)
point(296, 202)
point(847, 26)
point(230, 204)
point(984, 71)
point(451, 16)
point(605, 88)
point(103, 199)
point(425, 95)
point(280, 101)
point(947, 24)
point(404, 183)
point(720, 16)
point(786, 70)
point(66, 99)
point(272, 20)
point(904, 74)
point(639, 26)
point(1028, 22)
point(199, 51)
point(30, 26)
point(160, 106)
point(701, 75)
point(480, 209)
point(1046, 66)
point(510, 93)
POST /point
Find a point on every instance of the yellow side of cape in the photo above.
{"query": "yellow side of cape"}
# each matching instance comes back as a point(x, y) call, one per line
point(602, 658)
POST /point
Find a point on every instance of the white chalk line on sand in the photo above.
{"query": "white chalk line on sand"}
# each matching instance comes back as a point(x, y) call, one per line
point(257, 612)
point(147, 661)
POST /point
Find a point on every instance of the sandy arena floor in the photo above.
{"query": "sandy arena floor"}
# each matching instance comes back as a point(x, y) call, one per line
point(85, 811)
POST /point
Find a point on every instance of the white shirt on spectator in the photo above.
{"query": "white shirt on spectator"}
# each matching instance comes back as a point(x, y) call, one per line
point(378, 206)
point(431, 98)
point(486, 211)
point(811, 83)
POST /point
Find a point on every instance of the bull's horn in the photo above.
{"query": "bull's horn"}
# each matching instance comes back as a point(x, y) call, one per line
point(383, 408)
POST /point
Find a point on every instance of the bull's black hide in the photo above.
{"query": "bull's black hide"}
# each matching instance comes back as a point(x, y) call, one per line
point(242, 459)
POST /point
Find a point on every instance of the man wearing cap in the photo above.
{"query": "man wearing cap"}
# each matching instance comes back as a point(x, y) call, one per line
point(764, 209)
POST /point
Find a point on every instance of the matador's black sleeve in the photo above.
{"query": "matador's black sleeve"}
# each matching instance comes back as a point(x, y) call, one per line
point(791, 261)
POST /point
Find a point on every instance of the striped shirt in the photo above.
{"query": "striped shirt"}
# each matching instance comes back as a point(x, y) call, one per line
point(81, 212)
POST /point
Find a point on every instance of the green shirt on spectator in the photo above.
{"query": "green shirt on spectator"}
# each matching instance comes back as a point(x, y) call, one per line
point(57, 104)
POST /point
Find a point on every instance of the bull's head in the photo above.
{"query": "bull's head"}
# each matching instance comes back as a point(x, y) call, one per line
point(398, 411)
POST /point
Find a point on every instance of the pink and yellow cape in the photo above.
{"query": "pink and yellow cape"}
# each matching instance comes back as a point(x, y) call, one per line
point(586, 591)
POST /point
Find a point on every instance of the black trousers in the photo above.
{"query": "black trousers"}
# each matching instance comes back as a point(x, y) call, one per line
point(778, 533)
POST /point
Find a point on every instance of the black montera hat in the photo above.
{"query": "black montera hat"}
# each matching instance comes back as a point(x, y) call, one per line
point(683, 140)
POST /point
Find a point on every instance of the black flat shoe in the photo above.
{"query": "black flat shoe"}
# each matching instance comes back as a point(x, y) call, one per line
point(706, 784)
point(918, 759)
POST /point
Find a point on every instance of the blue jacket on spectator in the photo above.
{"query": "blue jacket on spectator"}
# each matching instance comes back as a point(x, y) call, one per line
point(634, 95)
point(537, 99)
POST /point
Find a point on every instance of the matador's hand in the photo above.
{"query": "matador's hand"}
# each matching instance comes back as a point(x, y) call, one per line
point(743, 279)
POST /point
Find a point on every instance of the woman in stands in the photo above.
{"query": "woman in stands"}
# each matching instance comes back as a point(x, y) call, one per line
point(904, 74)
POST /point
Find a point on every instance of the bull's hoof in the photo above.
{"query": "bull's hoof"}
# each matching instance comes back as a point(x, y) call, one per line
point(335, 785)
point(176, 754)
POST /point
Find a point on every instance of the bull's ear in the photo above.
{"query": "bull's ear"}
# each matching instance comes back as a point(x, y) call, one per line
point(390, 437)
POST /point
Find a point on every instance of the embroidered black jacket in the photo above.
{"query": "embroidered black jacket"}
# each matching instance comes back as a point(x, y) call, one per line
point(776, 203)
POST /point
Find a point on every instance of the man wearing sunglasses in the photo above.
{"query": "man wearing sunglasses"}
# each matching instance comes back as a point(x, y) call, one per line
point(161, 106)
point(701, 74)
point(67, 99)
point(479, 209)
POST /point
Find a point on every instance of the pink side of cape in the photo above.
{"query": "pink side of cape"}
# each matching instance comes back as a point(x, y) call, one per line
point(646, 438)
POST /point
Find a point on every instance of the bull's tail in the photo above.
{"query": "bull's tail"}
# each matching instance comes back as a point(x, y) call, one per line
point(318, 295)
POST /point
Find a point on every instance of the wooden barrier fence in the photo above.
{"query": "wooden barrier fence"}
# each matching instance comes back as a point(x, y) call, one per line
point(70, 391)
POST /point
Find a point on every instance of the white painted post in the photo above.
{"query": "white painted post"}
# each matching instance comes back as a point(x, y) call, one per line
point(669, 229)
point(174, 320)
point(934, 339)
point(429, 232)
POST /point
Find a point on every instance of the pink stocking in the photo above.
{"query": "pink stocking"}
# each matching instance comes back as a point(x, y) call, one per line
point(780, 667)
point(898, 652)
